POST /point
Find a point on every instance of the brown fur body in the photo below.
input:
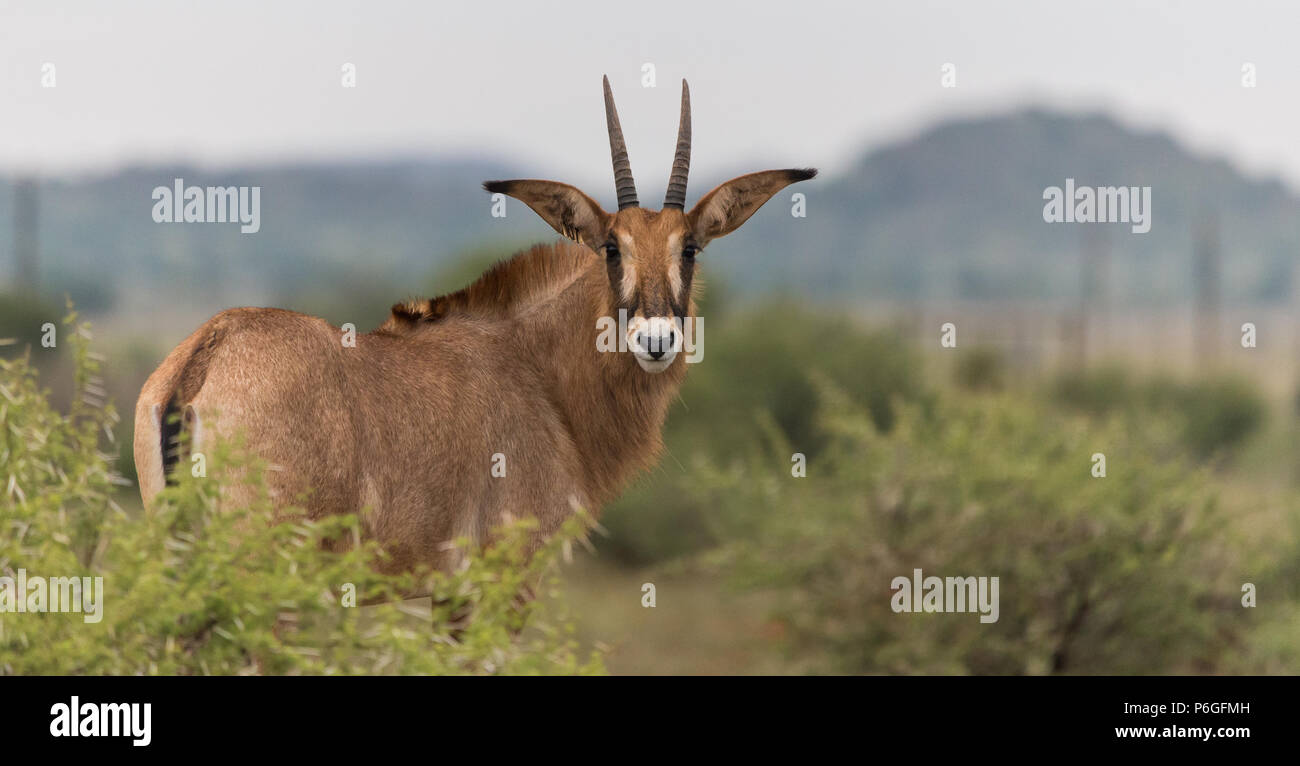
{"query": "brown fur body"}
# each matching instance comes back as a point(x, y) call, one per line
point(405, 424)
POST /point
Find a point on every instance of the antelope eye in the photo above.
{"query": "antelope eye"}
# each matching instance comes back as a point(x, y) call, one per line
point(611, 250)
point(689, 252)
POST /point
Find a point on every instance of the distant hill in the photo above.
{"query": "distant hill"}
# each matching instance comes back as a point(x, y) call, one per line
point(320, 225)
point(955, 211)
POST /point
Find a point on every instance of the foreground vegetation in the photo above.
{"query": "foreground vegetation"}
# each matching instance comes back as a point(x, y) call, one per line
point(986, 473)
point(196, 586)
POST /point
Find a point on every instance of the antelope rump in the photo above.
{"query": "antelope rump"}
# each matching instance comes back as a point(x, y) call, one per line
point(402, 426)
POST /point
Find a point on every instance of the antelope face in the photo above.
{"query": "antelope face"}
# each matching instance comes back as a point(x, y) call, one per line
point(650, 256)
point(650, 260)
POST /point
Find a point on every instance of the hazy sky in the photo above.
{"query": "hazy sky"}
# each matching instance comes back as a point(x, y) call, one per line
point(773, 83)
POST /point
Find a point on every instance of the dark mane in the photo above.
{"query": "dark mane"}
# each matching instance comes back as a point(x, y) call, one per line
point(524, 279)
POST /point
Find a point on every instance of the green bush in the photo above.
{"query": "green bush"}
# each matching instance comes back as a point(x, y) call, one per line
point(1135, 572)
point(981, 369)
point(1221, 413)
point(755, 370)
point(1216, 414)
point(759, 361)
point(21, 318)
point(198, 585)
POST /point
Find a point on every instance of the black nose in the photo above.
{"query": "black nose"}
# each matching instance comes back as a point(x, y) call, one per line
point(656, 345)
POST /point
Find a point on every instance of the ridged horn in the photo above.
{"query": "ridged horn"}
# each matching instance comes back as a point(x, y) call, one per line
point(676, 196)
point(618, 152)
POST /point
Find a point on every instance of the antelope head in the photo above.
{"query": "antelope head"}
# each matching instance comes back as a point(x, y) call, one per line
point(650, 256)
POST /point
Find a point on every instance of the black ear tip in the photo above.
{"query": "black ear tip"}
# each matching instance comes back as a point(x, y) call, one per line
point(502, 187)
point(803, 174)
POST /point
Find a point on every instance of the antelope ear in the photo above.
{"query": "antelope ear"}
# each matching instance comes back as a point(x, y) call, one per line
point(724, 209)
point(568, 211)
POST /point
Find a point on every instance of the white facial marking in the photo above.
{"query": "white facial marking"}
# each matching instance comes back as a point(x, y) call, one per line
point(675, 266)
point(628, 285)
point(654, 335)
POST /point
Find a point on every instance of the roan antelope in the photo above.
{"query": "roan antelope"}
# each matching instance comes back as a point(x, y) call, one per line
point(401, 428)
